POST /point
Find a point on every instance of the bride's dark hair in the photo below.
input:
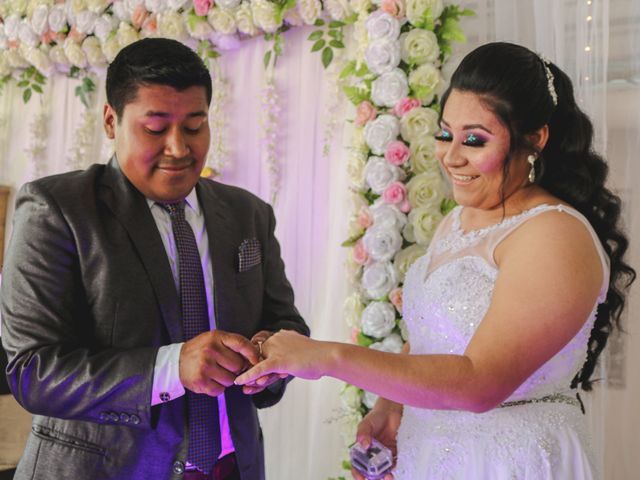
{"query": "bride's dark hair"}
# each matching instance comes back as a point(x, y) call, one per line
point(513, 83)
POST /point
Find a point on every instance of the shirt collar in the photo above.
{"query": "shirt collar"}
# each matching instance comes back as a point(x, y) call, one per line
point(191, 200)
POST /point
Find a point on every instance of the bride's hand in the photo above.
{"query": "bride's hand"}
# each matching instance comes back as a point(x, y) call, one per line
point(263, 382)
point(288, 353)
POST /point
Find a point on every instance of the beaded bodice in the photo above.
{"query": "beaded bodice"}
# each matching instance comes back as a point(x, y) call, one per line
point(448, 291)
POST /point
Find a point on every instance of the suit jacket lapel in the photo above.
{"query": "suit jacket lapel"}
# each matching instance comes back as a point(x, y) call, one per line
point(223, 249)
point(130, 208)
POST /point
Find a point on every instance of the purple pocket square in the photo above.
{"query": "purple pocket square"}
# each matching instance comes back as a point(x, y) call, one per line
point(249, 254)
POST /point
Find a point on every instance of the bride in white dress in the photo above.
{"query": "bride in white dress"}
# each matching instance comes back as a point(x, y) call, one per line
point(512, 304)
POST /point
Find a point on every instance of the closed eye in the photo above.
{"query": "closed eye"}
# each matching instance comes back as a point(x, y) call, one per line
point(473, 140)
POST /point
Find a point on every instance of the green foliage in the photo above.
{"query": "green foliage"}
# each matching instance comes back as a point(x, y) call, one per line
point(448, 29)
point(365, 340)
point(85, 90)
point(352, 240)
point(447, 205)
point(206, 51)
point(277, 48)
point(357, 95)
point(371, 197)
point(329, 38)
point(31, 80)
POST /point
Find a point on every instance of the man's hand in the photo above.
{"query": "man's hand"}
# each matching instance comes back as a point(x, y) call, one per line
point(381, 423)
point(210, 362)
point(263, 382)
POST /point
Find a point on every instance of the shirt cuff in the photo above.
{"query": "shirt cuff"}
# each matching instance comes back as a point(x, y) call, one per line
point(166, 374)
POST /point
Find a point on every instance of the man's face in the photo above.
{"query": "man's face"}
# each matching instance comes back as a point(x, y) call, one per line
point(162, 139)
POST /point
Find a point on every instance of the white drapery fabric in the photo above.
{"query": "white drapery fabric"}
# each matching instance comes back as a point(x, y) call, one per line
point(312, 209)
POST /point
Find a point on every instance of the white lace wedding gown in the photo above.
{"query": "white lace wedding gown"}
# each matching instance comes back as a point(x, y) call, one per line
point(539, 432)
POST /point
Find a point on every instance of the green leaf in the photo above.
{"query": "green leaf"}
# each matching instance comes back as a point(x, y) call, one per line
point(23, 83)
point(447, 205)
point(336, 44)
point(346, 464)
point(319, 22)
point(26, 95)
point(363, 70)
point(348, 70)
point(351, 19)
point(353, 240)
point(364, 340)
point(356, 95)
point(327, 56)
point(318, 45)
point(37, 88)
point(336, 24)
point(335, 33)
point(74, 72)
point(29, 72)
point(40, 78)
point(371, 197)
point(317, 35)
point(267, 59)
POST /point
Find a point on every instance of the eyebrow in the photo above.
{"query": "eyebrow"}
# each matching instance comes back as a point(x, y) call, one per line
point(470, 126)
point(152, 113)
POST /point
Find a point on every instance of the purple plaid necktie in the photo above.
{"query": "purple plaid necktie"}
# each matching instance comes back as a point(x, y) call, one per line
point(204, 425)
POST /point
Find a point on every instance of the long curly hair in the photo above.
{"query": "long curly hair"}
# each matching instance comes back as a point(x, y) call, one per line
point(513, 82)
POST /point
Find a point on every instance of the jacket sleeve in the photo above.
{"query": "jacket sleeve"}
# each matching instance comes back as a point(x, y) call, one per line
point(279, 311)
point(57, 367)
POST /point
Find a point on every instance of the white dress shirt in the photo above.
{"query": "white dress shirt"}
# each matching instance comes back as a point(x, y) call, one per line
point(166, 378)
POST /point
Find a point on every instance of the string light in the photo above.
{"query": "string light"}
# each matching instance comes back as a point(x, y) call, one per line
point(587, 48)
point(589, 18)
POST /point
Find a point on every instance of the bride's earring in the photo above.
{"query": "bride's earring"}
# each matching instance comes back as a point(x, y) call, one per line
point(532, 173)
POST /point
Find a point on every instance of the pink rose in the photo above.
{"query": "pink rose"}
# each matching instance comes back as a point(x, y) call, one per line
point(395, 297)
point(150, 25)
point(139, 15)
point(405, 105)
point(13, 44)
point(201, 7)
point(393, 7)
point(75, 35)
point(354, 335)
point(364, 220)
point(360, 255)
point(395, 193)
point(397, 153)
point(48, 37)
point(365, 113)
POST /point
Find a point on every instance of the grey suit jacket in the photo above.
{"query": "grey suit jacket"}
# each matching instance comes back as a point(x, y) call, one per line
point(87, 300)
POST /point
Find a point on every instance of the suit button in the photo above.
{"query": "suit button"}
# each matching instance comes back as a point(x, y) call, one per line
point(178, 467)
point(165, 397)
point(114, 417)
point(135, 419)
point(104, 417)
point(124, 418)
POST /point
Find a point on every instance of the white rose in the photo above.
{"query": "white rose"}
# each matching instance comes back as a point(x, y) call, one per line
point(361, 7)
point(309, 10)
point(426, 190)
point(57, 18)
point(155, 6)
point(416, 9)
point(5, 69)
point(423, 158)
point(419, 46)
point(369, 399)
point(131, 6)
point(77, 5)
point(355, 168)
point(382, 56)
point(86, 21)
point(127, 34)
point(4, 42)
point(222, 20)
point(58, 57)
point(120, 11)
point(382, 243)
point(425, 81)
point(15, 59)
point(351, 397)
point(228, 4)
point(40, 19)
point(199, 28)
point(405, 258)
point(111, 47)
point(378, 319)
point(379, 174)
point(26, 34)
point(378, 279)
point(12, 27)
point(353, 308)
point(18, 6)
point(244, 19)
point(293, 18)
point(381, 25)
point(92, 49)
point(379, 132)
point(338, 9)
point(74, 53)
point(177, 4)
point(97, 6)
point(417, 123)
point(389, 88)
point(264, 15)
point(171, 25)
point(388, 216)
point(104, 26)
point(33, 5)
point(38, 59)
point(422, 225)
point(392, 344)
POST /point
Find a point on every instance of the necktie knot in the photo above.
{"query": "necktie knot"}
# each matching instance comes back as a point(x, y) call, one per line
point(175, 210)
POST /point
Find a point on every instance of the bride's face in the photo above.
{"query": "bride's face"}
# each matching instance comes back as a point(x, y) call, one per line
point(472, 147)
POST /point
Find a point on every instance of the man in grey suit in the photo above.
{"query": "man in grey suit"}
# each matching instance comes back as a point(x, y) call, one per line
point(103, 303)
